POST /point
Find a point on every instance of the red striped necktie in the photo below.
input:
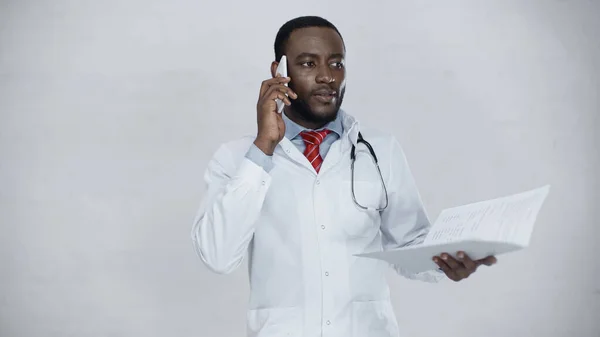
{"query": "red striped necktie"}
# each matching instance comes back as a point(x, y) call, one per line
point(313, 139)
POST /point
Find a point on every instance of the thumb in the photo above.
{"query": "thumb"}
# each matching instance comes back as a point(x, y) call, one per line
point(488, 261)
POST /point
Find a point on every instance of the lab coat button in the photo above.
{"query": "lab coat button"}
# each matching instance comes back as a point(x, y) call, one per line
point(328, 323)
point(323, 227)
point(326, 273)
point(318, 182)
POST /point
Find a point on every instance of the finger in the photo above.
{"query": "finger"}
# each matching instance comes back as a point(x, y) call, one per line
point(452, 263)
point(488, 261)
point(282, 97)
point(266, 84)
point(469, 264)
point(458, 268)
point(285, 99)
point(286, 90)
point(280, 89)
point(445, 268)
point(291, 93)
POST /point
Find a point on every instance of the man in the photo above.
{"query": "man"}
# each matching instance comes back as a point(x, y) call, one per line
point(288, 197)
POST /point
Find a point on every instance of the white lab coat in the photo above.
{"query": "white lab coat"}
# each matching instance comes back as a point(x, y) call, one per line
point(300, 231)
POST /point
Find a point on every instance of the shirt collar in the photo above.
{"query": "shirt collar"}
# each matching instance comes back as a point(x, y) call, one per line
point(292, 129)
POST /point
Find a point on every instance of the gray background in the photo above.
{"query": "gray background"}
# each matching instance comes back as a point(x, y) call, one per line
point(104, 137)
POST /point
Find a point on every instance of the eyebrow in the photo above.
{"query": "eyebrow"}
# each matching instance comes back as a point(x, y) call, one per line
point(334, 55)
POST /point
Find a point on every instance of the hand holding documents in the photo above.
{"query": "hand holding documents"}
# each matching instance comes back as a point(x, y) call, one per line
point(480, 229)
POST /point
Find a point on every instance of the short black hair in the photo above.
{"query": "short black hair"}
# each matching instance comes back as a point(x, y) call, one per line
point(300, 22)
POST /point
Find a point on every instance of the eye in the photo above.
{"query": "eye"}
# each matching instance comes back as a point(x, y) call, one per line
point(308, 64)
point(338, 65)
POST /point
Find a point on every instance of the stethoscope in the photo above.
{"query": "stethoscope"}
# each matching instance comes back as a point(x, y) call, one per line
point(376, 162)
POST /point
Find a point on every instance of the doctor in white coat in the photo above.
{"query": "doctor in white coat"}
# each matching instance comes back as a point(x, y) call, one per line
point(288, 200)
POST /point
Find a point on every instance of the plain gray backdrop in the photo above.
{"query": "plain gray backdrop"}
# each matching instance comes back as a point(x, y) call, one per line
point(110, 111)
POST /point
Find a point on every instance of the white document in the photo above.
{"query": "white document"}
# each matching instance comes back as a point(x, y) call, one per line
point(480, 229)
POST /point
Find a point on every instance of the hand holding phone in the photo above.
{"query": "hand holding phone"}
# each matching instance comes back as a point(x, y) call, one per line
point(274, 95)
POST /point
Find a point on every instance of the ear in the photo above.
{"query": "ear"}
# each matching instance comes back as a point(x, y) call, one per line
point(274, 66)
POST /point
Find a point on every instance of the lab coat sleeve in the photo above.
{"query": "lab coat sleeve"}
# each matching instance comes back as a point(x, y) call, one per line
point(404, 221)
point(224, 224)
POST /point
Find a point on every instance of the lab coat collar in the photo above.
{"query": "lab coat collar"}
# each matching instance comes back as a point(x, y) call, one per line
point(351, 126)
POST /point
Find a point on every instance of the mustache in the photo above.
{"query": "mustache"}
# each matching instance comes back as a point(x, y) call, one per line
point(323, 89)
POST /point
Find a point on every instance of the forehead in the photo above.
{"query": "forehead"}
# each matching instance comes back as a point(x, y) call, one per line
point(315, 40)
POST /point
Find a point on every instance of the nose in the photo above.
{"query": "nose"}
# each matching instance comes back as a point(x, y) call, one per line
point(324, 75)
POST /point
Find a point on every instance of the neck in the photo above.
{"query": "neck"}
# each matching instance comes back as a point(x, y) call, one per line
point(298, 119)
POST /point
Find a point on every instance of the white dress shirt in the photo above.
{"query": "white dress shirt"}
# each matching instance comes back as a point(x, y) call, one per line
point(300, 230)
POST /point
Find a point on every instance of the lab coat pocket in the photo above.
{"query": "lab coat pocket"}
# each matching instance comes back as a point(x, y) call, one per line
point(355, 221)
point(268, 322)
point(373, 319)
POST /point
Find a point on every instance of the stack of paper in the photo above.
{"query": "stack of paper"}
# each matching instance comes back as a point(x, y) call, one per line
point(480, 229)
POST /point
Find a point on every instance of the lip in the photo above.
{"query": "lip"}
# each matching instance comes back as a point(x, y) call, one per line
point(325, 92)
point(325, 95)
point(324, 98)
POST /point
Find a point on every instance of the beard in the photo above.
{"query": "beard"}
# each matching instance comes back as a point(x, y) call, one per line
point(303, 110)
